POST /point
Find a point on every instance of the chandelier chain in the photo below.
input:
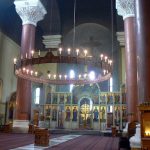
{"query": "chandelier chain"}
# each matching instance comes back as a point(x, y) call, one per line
point(74, 24)
point(112, 31)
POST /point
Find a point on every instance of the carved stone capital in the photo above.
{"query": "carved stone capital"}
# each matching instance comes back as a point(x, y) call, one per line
point(125, 8)
point(30, 11)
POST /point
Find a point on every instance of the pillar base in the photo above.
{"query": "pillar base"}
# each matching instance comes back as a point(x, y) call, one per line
point(20, 126)
point(135, 141)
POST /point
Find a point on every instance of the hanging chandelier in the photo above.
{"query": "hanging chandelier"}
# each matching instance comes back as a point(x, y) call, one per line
point(24, 67)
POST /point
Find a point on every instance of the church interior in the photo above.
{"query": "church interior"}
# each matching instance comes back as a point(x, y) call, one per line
point(74, 74)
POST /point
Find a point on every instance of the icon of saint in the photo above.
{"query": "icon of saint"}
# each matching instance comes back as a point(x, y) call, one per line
point(74, 114)
point(96, 114)
point(68, 114)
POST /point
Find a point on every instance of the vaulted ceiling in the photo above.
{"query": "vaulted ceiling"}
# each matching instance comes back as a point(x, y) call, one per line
point(59, 19)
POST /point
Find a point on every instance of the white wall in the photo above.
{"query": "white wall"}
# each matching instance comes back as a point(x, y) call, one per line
point(8, 50)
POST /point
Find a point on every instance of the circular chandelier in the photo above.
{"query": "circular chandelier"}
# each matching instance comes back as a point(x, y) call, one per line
point(23, 67)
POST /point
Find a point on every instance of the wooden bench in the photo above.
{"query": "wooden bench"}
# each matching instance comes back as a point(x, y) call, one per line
point(41, 137)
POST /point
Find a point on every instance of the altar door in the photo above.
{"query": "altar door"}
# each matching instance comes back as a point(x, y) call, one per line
point(85, 115)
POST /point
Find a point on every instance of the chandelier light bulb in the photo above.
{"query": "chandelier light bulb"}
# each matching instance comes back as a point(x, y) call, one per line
point(79, 76)
point(32, 53)
point(54, 76)
point(104, 71)
point(60, 50)
point(85, 52)
point(27, 71)
point(36, 73)
point(110, 62)
point(31, 72)
point(92, 75)
point(60, 76)
point(101, 56)
point(49, 75)
point(69, 50)
point(72, 74)
point(106, 58)
point(15, 61)
point(77, 50)
point(65, 76)
point(24, 69)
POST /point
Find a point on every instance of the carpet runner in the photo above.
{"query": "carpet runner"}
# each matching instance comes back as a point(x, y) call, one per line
point(52, 142)
point(59, 142)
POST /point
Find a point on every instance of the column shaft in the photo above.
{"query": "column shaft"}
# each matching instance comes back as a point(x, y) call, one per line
point(23, 99)
point(143, 49)
point(131, 68)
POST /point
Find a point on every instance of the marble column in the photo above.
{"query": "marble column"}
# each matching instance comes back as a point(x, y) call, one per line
point(142, 11)
point(125, 8)
point(30, 12)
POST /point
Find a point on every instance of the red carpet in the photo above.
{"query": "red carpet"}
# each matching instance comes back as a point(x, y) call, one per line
point(85, 142)
point(9, 141)
point(89, 142)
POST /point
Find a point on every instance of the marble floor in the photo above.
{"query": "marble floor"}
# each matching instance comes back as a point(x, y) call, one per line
point(52, 142)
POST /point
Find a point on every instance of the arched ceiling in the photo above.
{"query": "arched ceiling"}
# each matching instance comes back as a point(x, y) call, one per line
point(59, 19)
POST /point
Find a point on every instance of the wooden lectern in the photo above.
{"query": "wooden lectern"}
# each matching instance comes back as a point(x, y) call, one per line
point(145, 125)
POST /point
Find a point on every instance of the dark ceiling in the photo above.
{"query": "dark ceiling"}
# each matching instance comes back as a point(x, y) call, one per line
point(59, 17)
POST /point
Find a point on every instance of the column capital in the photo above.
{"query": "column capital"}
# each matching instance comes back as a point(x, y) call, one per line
point(125, 8)
point(30, 11)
